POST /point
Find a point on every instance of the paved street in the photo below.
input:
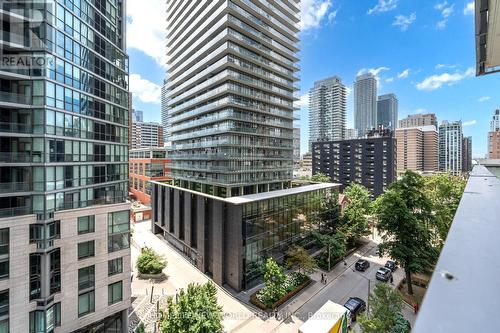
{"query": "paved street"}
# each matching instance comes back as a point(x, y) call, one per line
point(241, 317)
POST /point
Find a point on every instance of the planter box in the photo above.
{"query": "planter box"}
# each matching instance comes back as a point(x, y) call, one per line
point(255, 301)
point(159, 276)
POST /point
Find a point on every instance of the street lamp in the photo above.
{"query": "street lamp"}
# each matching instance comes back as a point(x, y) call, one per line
point(368, 298)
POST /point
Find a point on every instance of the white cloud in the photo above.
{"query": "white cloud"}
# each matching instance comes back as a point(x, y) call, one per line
point(469, 123)
point(312, 12)
point(446, 11)
point(421, 110)
point(469, 8)
point(437, 81)
point(303, 101)
point(383, 6)
point(145, 90)
point(146, 28)
point(441, 66)
point(404, 22)
point(390, 79)
point(374, 71)
point(483, 99)
point(404, 74)
point(332, 16)
point(348, 91)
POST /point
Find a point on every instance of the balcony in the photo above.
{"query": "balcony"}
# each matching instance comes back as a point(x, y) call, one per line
point(462, 295)
point(8, 97)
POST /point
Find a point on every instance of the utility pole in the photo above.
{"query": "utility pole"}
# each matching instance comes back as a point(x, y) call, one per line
point(328, 256)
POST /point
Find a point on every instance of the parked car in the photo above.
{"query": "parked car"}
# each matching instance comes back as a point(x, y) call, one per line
point(391, 264)
point(383, 274)
point(355, 305)
point(362, 265)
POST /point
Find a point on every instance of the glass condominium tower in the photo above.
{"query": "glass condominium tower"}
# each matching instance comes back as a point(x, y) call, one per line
point(230, 92)
point(64, 223)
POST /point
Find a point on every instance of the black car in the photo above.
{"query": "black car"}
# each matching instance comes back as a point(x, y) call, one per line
point(391, 265)
point(362, 265)
point(355, 305)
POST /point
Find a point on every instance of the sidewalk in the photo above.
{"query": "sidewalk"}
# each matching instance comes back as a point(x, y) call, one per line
point(179, 274)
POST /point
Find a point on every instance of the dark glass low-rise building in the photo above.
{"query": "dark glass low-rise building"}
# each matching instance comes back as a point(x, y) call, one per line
point(369, 161)
point(229, 238)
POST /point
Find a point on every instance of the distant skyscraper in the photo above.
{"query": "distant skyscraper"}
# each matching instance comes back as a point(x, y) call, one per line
point(296, 149)
point(495, 121)
point(351, 133)
point(417, 149)
point(327, 110)
point(387, 111)
point(146, 135)
point(365, 103)
point(416, 120)
point(450, 147)
point(164, 113)
point(137, 116)
point(467, 154)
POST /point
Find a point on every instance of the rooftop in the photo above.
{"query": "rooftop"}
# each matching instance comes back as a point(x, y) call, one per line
point(239, 200)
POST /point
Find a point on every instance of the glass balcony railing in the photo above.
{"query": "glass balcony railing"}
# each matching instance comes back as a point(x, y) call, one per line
point(15, 187)
point(227, 156)
point(8, 97)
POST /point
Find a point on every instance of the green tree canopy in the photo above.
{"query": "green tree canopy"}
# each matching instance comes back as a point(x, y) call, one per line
point(336, 243)
point(320, 178)
point(385, 307)
point(274, 281)
point(355, 217)
point(301, 259)
point(195, 311)
point(149, 262)
point(404, 216)
point(444, 192)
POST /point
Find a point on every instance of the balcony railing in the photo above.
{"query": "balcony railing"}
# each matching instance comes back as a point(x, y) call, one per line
point(463, 293)
point(14, 98)
point(15, 187)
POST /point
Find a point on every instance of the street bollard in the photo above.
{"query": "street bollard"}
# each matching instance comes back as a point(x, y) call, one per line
point(151, 298)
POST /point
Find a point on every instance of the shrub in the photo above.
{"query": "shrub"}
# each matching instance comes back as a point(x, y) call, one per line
point(149, 262)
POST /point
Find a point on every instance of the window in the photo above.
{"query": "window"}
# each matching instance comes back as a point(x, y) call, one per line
point(86, 277)
point(4, 241)
point(45, 321)
point(115, 266)
point(4, 303)
point(85, 249)
point(86, 224)
point(115, 292)
point(118, 230)
point(86, 303)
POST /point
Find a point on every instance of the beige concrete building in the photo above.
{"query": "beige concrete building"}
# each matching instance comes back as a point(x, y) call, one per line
point(417, 149)
point(494, 145)
point(416, 120)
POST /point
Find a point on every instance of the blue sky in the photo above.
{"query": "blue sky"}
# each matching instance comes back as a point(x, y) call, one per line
point(423, 51)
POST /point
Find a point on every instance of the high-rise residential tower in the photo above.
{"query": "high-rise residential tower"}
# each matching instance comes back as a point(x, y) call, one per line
point(164, 114)
point(467, 154)
point(230, 90)
point(417, 149)
point(296, 150)
point(450, 147)
point(387, 111)
point(365, 103)
point(137, 116)
point(327, 110)
point(64, 115)
point(495, 121)
point(147, 135)
point(417, 120)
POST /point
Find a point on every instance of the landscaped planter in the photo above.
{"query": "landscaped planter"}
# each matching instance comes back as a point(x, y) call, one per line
point(159, 276)
point(255, 301)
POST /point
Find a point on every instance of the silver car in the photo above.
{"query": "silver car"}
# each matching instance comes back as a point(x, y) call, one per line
point(383, 274)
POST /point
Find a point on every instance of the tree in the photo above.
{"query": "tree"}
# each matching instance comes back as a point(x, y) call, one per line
point(301, 259)
point(335, 244)
point(320, 178)
point(274, 281)
point(404, 214)
point(444, 192)
point(385, 307)
point(354, 219)
point(149, 262)
point(195, 311)
point(140, 328)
